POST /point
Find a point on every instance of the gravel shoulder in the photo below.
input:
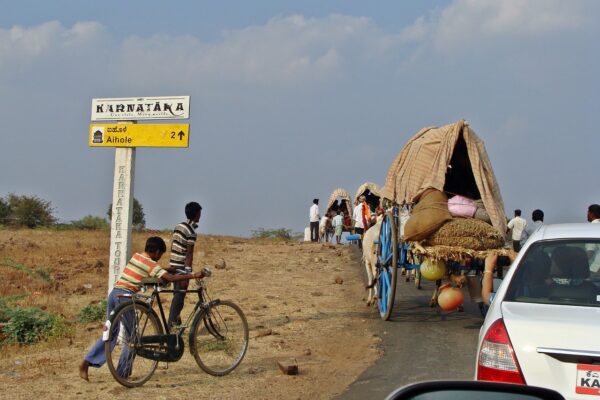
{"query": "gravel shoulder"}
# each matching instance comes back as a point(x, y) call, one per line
point(303, 302)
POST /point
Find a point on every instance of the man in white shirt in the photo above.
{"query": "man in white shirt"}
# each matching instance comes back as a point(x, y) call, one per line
point(338, 225)
point(314, 221)
point(357, 217)
point(517, 224)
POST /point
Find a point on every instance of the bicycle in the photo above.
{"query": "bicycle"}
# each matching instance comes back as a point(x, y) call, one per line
point(136, 339)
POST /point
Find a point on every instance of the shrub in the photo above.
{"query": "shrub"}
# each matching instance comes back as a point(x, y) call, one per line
point(4, 211)
point(138, 219)
point(5, 309)
point(276, 234)
point(38, 272)
point(29, 211)
point(91, 222)
point(30, 325)
point(93, 312)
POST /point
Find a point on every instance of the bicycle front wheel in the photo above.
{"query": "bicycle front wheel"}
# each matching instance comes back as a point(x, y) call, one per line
point(129, 323)
point(219, 338)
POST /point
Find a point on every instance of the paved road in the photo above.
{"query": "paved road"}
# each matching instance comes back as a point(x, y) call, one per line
point(419, 343)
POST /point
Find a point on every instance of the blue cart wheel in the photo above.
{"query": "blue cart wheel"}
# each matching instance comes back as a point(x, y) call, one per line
point(387, 266)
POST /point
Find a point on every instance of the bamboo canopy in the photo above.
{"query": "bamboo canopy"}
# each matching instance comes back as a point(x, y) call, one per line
point(341, 194)
point(451, 158)
point(373, 188)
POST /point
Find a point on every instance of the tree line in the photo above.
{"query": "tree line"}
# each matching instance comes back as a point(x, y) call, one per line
point(21, 211)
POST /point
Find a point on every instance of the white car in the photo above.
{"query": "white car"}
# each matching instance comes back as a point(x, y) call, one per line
point(543, 325)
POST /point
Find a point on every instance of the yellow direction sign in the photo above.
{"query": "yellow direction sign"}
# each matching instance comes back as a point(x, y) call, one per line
point(139, 135)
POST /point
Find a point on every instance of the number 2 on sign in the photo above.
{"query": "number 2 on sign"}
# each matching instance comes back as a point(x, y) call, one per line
point(172, 135)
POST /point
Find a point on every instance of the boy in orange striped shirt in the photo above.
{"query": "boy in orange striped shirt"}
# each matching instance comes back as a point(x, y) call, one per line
point(140, 266)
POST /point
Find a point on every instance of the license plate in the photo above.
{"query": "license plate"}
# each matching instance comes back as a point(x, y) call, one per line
point(588, 379)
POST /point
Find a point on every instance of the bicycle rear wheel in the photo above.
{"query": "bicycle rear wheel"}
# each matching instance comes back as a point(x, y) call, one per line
point(128, 324)
point(219, 338)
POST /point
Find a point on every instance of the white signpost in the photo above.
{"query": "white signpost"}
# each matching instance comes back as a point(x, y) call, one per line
point(122, 213)
point(127, 111)
point(140, 108)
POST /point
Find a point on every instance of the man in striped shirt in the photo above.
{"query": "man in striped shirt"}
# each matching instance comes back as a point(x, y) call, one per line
point(140, 266)
point(182, 256)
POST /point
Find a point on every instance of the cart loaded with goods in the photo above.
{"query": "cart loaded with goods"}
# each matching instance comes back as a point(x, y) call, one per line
point(444, 214)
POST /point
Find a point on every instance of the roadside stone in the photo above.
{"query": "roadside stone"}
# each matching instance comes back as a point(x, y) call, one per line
point(338, 279)
point(307, 352)
point(316, 294)
point(288, 367)
point(254, 370)
point(220, 264)
point(264, 332)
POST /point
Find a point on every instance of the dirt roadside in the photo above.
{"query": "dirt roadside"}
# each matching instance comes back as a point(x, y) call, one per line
point(294, 306)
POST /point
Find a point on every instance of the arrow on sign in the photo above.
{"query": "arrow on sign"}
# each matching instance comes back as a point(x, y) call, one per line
point(181, 135)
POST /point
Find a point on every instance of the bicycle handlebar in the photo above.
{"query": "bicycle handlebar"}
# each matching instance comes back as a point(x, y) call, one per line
point(188, 270)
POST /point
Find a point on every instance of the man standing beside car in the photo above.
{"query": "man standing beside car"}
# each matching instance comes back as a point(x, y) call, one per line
point(593, 214)
point(537, 216)
point(593, 250)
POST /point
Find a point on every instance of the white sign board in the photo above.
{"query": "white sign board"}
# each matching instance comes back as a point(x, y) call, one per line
point(140, 108)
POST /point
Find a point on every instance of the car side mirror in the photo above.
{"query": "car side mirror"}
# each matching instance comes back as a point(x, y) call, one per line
point(459, 390)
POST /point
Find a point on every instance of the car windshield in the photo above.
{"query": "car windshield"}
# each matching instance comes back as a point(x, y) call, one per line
point(565, 272)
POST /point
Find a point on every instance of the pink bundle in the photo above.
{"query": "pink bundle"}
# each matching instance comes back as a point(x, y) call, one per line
point(460, 206)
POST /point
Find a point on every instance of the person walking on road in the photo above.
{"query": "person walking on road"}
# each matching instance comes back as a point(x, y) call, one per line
point(358, 218)
point(517, 224)
point(314, 221)
point(338, 225)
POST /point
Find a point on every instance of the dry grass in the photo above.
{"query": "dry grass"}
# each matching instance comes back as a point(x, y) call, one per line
point(287, 288)
point(467, 233)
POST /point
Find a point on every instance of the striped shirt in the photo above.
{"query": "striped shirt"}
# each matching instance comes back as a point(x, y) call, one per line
point(138, 268)
point(183, 236)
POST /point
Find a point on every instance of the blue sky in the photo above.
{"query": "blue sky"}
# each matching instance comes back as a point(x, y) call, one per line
point(293, 99)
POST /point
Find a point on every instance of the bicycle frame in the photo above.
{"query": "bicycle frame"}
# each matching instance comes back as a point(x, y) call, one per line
point(201, 303)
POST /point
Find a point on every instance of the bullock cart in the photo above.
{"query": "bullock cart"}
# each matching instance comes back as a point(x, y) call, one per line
point(437, 163)
point(340, 201)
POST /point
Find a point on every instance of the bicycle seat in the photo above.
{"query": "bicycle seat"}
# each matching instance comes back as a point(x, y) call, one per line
point(150, 281)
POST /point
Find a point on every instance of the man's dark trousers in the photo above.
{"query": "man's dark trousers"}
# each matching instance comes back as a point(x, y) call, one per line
point(177, 303)
point(314, 231)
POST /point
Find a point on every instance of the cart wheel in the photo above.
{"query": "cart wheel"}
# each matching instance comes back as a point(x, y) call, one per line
point(387, 265)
